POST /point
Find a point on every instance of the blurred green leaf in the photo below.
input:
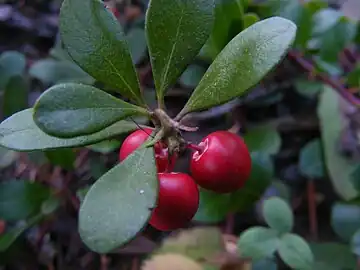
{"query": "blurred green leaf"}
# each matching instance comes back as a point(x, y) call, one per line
point(12, 63)
point(7, 157)
point(51, 71)
point(105, 147)
point(192, 76)
point(334, 40)
point(331, 124)
point(50, 205)
point(250, 18)
point(213, 207)
point(97, 166)
point(265, 264)
point(324, 20)
point(242, 63)
point(95, 40)
point(353, 77)
point(7, 239)
point(95, 110)
point(64, 158)
point(296, 252)
point(262, 173)
point(228, 23)
point(198, 243)
point(311, 163)
point(19, 132)
point(258, 243)
point(119, 204)
point(345, 220)
point(332, 256)
point(355, 243)
point(278, 215)
point(15, 96)
point(355, 178)
point(263, 139)
point(308, 88)
point(137, 43)
point(175, 32)
point(21, 199)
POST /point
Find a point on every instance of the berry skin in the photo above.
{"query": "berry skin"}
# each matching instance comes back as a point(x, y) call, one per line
point(136, 139)
point(177, 203)
point(224, 165)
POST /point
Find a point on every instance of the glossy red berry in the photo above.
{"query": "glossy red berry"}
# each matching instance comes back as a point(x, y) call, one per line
point(223, 165)
point(136, 139)
point(177, 203)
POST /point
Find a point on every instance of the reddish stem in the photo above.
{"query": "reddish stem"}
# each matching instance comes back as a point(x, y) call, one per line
point(311, 192)
point(195, 147)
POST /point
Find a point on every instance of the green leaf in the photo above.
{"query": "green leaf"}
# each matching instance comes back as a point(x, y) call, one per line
point(119, 204)
point(265, 264)
point(295, 252)
point(345, 220)
point(308, 88)
point(70, 110)
point(336, 39)
point(197, 243)
point(7, 157)
point(331, 123)
point(137, 43)
point(262, 173)
point(175, 31)
point(12, 63)
point(51, 71)
point(19, 132)
point(324, 20)
point(353, 78)
point(64, 158)
point(332, 256)
point(278, 215)
point(258, 243)
point(250, 19)
point(105, 147)
point(355, 243)
point(355, 178)
point(15, 96)
point(95, 40)
point(7, 239)
point(264, 139)
point(311, 161)
point(50, 205)
point(228, 23)
point(21, 199)
point(242, 63)
point(192, 76)
point(213, 207)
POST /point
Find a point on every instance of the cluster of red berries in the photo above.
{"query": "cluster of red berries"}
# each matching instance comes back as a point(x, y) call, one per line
point(221, 164)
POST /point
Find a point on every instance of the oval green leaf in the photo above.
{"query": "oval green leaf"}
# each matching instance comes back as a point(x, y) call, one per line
point(70, 110)
point(345, 220)
point(176, 31)
point(311, 161)
point(12, 63)
point(15, 96)
point(96, 42)
point(258, 243)
point(295, 252)
point(21, 199)
point(332, 123)
point(242, 63)
point(264, 138)
point(278, 215)
point(118, 205)
point(19, 132)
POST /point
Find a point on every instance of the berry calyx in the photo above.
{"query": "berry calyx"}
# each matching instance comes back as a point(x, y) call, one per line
point(136, 139)
point(177, 203)
point(223, 165)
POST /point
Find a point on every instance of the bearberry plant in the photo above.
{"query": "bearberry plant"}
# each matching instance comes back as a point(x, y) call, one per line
point(142, 188)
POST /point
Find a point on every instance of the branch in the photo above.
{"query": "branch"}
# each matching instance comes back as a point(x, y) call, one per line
point(337, 85)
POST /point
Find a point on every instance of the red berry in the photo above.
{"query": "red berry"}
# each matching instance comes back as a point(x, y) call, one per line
point(177, 203)
point(223, 165)
point(136, 139)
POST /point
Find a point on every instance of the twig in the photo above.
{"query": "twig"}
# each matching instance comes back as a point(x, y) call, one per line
point(311, 194)
point(336, 84)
